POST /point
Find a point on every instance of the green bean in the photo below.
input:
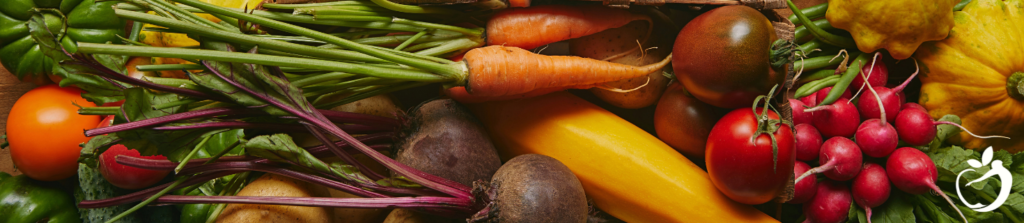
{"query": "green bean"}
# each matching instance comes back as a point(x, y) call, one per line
point(815, 86)
point(824, 36)
point(812, 12)
point(961, 5)
point(801, 31)
point(815, 63)
point(817, 75)
point(845, 80)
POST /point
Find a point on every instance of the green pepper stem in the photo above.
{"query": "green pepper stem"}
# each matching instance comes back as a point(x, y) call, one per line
point(269, 60)
point(825, 36)
point(1015, 85)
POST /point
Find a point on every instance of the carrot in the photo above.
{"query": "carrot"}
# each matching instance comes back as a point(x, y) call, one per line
point(536, 26)
point(462, 96)
point(502, 71)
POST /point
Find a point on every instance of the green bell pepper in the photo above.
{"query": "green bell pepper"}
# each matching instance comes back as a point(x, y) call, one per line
point(87, 21)
point(26, 200)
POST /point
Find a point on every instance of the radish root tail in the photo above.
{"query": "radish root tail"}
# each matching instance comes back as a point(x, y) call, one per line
point(881, 107)
point(937, 190)
point(871, 69)
point(971, 133)
point(816, 170)
point(868, 210)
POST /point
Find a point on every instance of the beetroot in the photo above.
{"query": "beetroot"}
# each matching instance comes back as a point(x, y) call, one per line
point(840, 160)
point(871, 187)
point(444, 139)
point(805, 190)
point(913, 172)
point(838, 119)
point(876, 138)
point(831, 203)
point(799, 116)
point(808, 142)
point(534, 188)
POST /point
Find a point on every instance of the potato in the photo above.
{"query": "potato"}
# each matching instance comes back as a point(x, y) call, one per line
point(276, 186)
point(615, 41)
point(380, 105)
point(410, 216)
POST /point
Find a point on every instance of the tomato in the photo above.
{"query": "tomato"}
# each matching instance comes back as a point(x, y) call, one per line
point(684, 122)
point(125, 176)
point(744, 169)
point(44, 130)
point(722, 56)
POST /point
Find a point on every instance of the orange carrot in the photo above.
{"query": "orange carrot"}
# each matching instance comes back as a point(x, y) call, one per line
point(504, 71)
point(536, 26)
point(462, 96)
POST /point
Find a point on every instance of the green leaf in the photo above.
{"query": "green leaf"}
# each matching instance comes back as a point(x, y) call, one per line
point(48, 29)
point(281, 148)
point(945, 131)
point(94, 147)
point(1016, 202)
point(897, 209)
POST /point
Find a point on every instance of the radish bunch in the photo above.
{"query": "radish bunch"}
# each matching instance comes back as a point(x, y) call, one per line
point(851, 131)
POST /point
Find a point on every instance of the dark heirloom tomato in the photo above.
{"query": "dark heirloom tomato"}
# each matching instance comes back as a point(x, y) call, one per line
point(684, 122)
point(722, 56)
point(740, 160)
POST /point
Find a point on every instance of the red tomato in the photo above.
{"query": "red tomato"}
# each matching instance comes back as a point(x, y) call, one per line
point(125, 176)
point(742, 166)
point(44, 130)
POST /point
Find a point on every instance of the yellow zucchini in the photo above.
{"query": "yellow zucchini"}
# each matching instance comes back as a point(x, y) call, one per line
point(628, 172)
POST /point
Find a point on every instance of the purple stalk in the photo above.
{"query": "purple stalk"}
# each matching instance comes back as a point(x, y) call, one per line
point(284, 127)
point(151, 164)
point(143, 194)
point(394, 202)
point(373, 175)
point(163, 120)
point(250, 166)
point(368, 138)
point(349, 117)
point(430, 181)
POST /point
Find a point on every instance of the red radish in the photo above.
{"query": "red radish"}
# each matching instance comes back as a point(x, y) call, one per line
point(838, 119)
point(913, 172)
point(841, 160)
point(871, 187)
point(891, 101)
point(912, 105)
point(808, 142)
point(805, 190)
point(877, 74)
point(831, 203)
point(821, 94)
point(917, 128)
point(810, 100)
point(128, 177)
point(876, 138)
point(799, 116)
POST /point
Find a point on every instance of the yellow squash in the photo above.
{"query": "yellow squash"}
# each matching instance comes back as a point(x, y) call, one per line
point(162, 39)
point(899, 26)
point(976, 74)
point(629, 173)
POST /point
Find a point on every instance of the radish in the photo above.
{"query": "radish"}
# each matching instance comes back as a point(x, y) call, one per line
point(871, 188)
point(799, 116)
point(803, 191)
point(913, 172)
point(876, 74)
point(831, 203)
point(810, 100)
point(888, 99)
point(838, 119)
point(876, 138)
point(917, 128)
point(912, 105)
point(808, 142)
point(841, 160)
point(823, 93)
